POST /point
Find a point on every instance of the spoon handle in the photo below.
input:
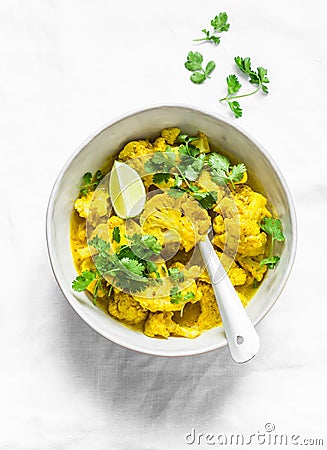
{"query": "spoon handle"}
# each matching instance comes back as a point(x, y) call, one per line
point(242, 338)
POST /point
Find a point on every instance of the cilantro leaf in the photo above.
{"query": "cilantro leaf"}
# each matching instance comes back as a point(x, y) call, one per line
point(218, 161)
point(237, 172)
point(219, 24)
point(236, 109)
point(190, 167)
point(273, 227)
point(189, 295)
point(90, 182)
point(270, 262)
point(99, 244)
point(161, 162)
point(116, 234)
point(233, 84)
point(82, 281)
point(175, 295)
point(210, 67)
point(151, 267)
point(146, 244)
point(176, 193)
point(244, 64)
point(159, 178)
point(194, 61)
point(206, 199)
point(194, 64)
point(187, 148)
point(198, 77)
point(176, 274)
point(133, 266)
point(222, 172)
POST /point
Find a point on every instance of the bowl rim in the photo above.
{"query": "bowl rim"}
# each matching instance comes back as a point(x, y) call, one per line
point(49, 224)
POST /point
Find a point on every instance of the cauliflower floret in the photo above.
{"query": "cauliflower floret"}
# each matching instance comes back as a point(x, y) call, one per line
point(161, 324)
point(185, 216)
point(93, 206)
point(135, 149)
point(159, 145)
point(238, 222)
point(82, 205)
point(236, 274)
point(125, 307)
point(83, 252)
point(252, 266)
point(202, 143)
point(158, 298)
point(209, 316)
point(170, 135)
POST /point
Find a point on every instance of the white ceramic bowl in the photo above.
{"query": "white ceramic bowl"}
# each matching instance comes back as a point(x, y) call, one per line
point(108, 141)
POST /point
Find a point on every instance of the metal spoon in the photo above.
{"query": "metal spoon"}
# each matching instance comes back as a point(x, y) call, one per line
point(242, 338)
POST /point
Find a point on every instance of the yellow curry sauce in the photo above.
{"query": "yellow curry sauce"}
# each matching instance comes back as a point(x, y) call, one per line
point(157, 317)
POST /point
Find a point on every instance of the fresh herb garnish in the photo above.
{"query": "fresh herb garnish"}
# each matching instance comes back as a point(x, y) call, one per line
point(82, 282)
point(159, 178)
point(273, 227)
point(116, 234)
point(186, 170)
point(189, 295)
point(175, 295)
point(219, 24)
point(194, 64)
point(206, 199)
point(186, 147)
point(176, 274)
point(161, 162)
point(90, 182)
point(128, 271)
point(145, 246)
point(258, 77)
point(222, 172)
point(270, 262)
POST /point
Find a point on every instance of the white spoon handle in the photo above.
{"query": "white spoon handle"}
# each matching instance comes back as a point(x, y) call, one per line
point(243, 340)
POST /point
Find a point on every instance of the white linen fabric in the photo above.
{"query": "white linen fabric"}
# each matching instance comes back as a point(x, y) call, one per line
point(66, 68)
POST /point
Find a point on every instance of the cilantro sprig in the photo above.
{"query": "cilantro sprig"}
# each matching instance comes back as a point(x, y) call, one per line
point(90, 182)
point(222, 172)
point(176, 295)
point(194, 64)
point(219, 24)
point(186, 170)
point(273, 227)
point(257, 77)
point(82, 282)
point(176, 274)
point(206, 199)
point(129, 269)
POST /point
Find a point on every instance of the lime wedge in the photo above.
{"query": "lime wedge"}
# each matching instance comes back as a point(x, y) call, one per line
point(126, 190)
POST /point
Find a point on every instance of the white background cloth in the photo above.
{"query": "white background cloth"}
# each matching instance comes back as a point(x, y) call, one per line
point(66, 68)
